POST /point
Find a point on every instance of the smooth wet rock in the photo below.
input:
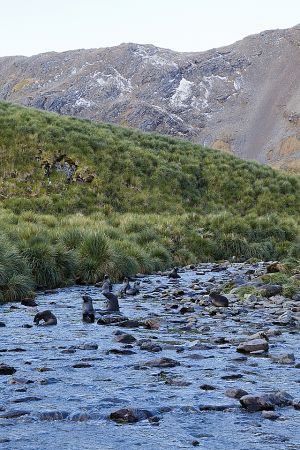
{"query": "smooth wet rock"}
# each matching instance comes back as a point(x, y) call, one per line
point(51, 416)
point(7, 370)
point(269, 290)
point(2, 324)
point(130, 415)
point(296, 404)
point(149, 346)
point(286, 319)
point(13, 414)
point(253, 346)
point(217, 407)
point(26, 399)
point(235, 393)
point(288, 358)
point(86, 347)
point(117, 351)
point(207, 387)
point(270, 415)
point(81, 366)
point(29, 302)
point(162, 362)
point(111, 320)
point(125, 338)
point(255, 403)
point(266, 401)
point(218, 300)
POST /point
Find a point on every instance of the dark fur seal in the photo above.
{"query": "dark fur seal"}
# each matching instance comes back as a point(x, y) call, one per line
point(174, 273)
point(125, 286)
point(88, 313)
point(135, 289)
point(47, 316)
point(107, 285)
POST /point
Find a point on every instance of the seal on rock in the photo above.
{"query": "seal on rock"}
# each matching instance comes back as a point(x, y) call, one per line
point(88, 313)
point(47, 316)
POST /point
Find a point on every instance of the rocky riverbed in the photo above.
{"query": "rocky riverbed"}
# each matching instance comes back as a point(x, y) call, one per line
point(178, 373)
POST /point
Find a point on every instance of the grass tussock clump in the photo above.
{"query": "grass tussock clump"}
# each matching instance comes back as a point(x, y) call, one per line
point(79, 199)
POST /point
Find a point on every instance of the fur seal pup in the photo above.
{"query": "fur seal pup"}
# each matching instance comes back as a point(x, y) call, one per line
point(106, 285)
point(135, 289)
point(47, 316)
point(174, 273)
point(125, 286)
point(88, 313)
point(112, 304)
point(218, 299)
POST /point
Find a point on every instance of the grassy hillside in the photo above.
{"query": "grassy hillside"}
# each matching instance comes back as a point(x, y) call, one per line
point(79, 199)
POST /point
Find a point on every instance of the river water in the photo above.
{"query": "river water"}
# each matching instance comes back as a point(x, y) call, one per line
point(83, 398)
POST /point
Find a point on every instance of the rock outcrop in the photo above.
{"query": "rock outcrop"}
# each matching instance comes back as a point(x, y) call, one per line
point(243, 98)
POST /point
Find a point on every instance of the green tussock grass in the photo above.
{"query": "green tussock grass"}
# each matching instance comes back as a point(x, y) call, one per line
point(133, 202)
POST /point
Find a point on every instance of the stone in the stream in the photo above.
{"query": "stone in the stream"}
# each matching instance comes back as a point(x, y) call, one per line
point(28, 302)
point(86, 347)
point(253, 346)
point(151, 324)
point(220, 407)
point(288, 358)
point(81, 366)
point(26, 399)
point(130, 415)
point(20, 381)
point(2, 324)
point(51, 416)
point(233, 376)
point(7, 370)
point(111, 319)
point(270, 415)
point(235, 393)
point(162, 362)
point(125, 338)
point(286, 319)
point(130, 323)
point(296, 404)
point(117, 351)
point(266, 401)
point(187, 309)
point(149, 346)
point(207, 387)
point(44, 369)
point(218, 300)
point(255, 403)
point(259, 335)
point(13, 414)
point(269, 290)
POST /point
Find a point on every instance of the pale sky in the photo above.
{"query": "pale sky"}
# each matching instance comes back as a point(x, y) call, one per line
point(29, 27)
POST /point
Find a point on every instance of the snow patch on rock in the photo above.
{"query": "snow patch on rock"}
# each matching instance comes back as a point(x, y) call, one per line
point(182, 94)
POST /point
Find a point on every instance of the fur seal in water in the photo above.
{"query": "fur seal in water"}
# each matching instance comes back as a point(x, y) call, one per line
point(135, 289)
point(47, 316)
point(125, 286)
point(112, 304)
point(218, 299)
point(107, 285)
point(174, 273)
point(88, 313)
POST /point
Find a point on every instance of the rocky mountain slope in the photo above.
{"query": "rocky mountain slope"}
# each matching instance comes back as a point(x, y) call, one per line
point(243, 98)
